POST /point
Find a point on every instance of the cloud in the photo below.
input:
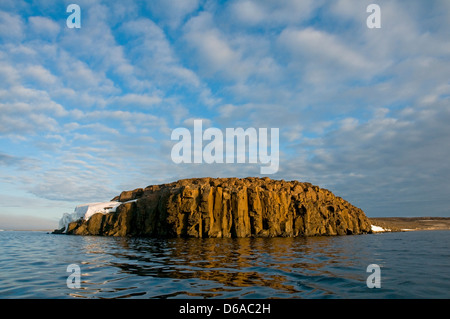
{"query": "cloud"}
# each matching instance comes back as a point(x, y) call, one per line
point(372, 161)
point(6, 159)
point(323, 60)
point(85, 187)
point(212, 47)
point(136, 118)
point(189, 122)
point(44, 27)
point(321, 48)
point(11, 27)
point(173, 12)
point(272, 13)
point(153, 54)
point(8, 74)
point(138, 100)
point(25, 111)
point(39, 74)
point(87, 113)
point(231, 58)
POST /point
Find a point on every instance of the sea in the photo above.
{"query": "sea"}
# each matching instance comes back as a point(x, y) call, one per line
point(397, 265)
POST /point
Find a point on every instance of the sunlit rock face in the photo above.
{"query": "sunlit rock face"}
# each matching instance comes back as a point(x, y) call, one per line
point(227, 207)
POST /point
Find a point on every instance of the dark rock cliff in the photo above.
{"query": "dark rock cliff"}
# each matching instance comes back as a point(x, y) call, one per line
point(227, 207)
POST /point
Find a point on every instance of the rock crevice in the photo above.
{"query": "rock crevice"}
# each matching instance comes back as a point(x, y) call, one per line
point(227, 207)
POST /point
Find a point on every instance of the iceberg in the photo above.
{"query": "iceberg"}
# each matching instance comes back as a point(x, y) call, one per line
point(85, 211)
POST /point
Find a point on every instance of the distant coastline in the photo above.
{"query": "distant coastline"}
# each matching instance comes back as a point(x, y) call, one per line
point(411, 223)
point(24, 229)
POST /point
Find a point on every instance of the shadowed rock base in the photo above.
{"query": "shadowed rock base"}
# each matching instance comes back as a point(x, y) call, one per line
point(227, 207)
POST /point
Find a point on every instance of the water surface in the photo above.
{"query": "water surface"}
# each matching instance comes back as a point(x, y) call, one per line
point(413, 265)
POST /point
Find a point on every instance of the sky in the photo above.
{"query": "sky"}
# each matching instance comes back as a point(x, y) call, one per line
point(88, 112)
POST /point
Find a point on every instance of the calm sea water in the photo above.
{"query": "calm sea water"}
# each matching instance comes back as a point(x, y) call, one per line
point(412, 264)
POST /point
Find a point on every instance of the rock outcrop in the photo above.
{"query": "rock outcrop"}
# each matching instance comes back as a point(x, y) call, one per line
point(227, 207)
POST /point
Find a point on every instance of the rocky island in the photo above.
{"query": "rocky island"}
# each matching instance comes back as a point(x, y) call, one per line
point(224, 207)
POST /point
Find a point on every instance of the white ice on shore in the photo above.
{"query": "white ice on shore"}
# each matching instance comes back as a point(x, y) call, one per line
point(376, 229)
point(85, 211)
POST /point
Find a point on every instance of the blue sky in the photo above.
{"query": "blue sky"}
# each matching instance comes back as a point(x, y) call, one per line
point(86, 113)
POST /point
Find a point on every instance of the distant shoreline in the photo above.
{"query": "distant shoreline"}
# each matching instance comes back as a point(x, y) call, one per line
point(36, 230)
point(411, 223)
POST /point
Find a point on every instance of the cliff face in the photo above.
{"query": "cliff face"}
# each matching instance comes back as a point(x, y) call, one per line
point(227, 207)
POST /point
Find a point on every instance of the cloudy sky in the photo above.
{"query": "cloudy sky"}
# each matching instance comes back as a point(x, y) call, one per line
point(86, 113)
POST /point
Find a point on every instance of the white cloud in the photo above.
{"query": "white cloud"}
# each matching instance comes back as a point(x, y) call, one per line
point(28, 100)
point(153, 55)
point(363, 111)
point(189, 122)
point(73, 183)
point(8, 74)
point(349, 123)
point(212, 50)
point(215, 52)
point(382, 156)
point(138, 100)
point(229, 57)
point(119, 122)
point(79, 76)
point(44, 27)
point(28, 111)
point(11, 27)
point(40, 74)
point(272, 13)
point(173, 12)
point(323, 53)
point(294, 133)
point(227, 110)
point(249, 12)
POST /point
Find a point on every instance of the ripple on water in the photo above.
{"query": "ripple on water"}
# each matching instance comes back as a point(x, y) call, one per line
point(413, 265)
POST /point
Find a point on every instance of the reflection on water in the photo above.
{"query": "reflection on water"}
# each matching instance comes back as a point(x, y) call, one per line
point(254, 267)
point(317, 267)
